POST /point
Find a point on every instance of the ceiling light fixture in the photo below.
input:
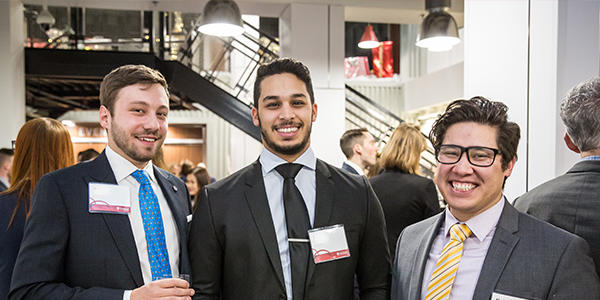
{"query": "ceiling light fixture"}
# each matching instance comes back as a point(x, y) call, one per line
point(369, 39)
point(45, 18)
point(439, 31)
point(221, 18)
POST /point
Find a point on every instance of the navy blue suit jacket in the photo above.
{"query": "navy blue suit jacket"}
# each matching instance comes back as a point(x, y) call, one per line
point(10, 238)
point(69, 253)
point(347, 167)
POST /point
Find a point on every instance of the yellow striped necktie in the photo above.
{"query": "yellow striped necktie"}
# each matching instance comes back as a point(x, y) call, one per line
point(447, 265)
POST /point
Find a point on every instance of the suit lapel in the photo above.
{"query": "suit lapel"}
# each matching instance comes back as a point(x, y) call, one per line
point(323, 207)
point(501, 247)
point(178, 208)
point(118, 225)
point(416, 281)
point(256, 197)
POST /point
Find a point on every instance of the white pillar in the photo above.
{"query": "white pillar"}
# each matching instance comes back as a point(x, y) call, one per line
point(528, 54)
point(12, 73)
point(314, 34)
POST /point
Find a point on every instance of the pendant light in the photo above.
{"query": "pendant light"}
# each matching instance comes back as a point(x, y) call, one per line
point(438, 31)
point(368, 39)
point(45, 18)
point(221, 18)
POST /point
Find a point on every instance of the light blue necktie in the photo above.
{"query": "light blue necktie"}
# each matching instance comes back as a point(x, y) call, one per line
point(153, 227)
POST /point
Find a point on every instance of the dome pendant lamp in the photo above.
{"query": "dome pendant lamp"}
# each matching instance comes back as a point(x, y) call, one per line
point(438, 31)
point(368, 39)
point(221, 18)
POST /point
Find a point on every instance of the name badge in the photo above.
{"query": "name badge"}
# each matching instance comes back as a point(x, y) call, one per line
point(328, 243)
point(108, 198)
point(498, 296)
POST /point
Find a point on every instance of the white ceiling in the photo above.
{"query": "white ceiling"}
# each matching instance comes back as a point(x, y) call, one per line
point(375, 11)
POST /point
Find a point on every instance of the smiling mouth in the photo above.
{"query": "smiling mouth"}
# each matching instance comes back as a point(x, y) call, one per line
point(462, 186)
point(147, 139)
point(287, 129)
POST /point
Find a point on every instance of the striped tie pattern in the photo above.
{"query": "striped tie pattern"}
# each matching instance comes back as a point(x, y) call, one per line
point(447, 265)
point(153, 228)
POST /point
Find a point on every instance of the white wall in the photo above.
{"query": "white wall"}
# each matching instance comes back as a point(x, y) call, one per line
point(496, 65)
point(314, 34)
point(12, 73)
point(431, 89)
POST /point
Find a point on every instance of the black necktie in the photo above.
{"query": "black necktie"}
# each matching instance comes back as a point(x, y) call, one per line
point(298, 224)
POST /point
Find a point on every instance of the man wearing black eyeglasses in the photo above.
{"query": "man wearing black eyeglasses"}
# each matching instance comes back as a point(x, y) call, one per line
point(480, 247)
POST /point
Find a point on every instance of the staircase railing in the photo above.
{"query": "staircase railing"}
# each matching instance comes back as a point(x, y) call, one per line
point(362, 112)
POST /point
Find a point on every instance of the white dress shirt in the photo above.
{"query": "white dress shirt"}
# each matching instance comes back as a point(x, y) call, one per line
point(306, 183)
point(475, 248)
point(122, 169)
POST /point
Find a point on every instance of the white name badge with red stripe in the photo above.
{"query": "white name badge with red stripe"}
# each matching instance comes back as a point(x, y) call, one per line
point(328, 243)
point(109, 198)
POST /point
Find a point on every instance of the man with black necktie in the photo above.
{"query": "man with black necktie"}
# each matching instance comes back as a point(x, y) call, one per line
point(114, 227)
point(289, 226)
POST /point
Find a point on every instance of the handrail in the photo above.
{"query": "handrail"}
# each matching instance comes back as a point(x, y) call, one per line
point(375, 104)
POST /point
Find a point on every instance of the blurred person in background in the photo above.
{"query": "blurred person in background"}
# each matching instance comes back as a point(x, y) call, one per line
point(360, 149)
point(86, 155)
point(405, 196)
point(6, 158)
point(195, 181)
point(186, 168)
point(43, 145)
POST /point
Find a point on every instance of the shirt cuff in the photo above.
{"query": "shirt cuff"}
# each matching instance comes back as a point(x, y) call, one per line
point(126, 295)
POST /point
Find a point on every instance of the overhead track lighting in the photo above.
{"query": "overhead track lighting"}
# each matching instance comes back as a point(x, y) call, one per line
point(439, 31)
point(221, 18)
point(368, 39)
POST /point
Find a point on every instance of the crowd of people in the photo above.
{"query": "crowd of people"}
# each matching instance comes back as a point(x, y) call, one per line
point(117, 225)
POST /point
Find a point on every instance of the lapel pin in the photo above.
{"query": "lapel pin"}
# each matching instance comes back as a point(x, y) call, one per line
point(175, 188)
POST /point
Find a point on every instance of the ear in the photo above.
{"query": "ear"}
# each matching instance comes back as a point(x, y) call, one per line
point(105, 117)
point(509, 167)
point(570, 143)
point(314, 112)
point(357, 148)
point(255, 120)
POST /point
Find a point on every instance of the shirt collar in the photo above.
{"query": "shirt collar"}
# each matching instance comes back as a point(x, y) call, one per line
point(356, 167)
point(591, 157)
point(122, 167)
point(481, 224)
point(269, 160)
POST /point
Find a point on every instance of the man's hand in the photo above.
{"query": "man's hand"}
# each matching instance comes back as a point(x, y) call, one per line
point(170, 288)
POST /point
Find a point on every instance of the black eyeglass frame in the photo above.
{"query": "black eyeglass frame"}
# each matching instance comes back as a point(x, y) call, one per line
point(463, 150)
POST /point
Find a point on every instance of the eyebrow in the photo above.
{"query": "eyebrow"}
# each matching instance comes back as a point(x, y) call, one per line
point(273, 97)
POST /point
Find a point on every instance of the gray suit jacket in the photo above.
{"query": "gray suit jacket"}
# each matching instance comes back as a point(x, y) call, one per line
point(527, 258)
point(571, 202)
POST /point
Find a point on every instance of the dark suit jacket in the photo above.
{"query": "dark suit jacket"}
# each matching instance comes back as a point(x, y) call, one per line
point(69, 253)
point(10, 238)
point(527, 258)
point(348, 168)
point(234, 251)
point(406, 199)
point(3, 187)
point(571, 202)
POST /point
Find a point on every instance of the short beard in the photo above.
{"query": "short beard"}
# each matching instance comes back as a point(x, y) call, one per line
point(285, 150)
point(119, 136)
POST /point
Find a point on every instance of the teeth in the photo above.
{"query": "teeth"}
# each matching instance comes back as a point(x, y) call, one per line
point(147, 139)
point(463, 187)
point(288, 129)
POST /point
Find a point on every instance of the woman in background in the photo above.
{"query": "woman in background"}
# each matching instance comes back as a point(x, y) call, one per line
point(195, 181)
point(43, 145)
point(406, 197)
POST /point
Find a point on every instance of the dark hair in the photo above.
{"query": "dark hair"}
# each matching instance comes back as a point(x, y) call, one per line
point(580, 112)
point(202, 179)
point(5, 154)
point(350, 138)
point(279, 66)
point(87, 154)
point(187, 166)
point(125, 76)
point(483, 111)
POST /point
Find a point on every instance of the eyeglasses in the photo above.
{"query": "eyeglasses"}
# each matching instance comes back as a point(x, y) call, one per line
point(476, 155)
